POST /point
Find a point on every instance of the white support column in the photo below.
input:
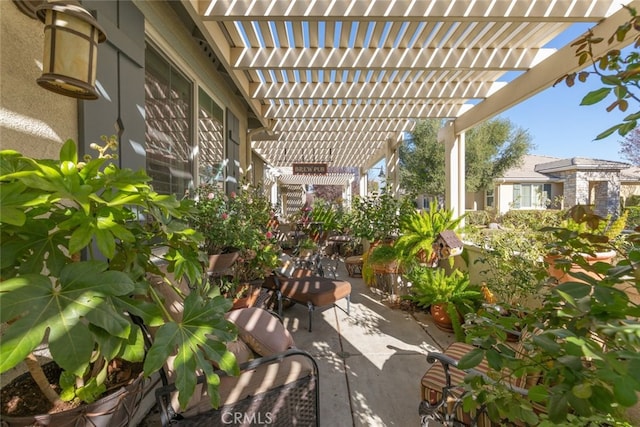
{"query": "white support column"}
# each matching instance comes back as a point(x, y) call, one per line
point(364, 183)
point(274, 192)
point(451, 165)
point(462, 192)
point(391, 165)
point(347, 194)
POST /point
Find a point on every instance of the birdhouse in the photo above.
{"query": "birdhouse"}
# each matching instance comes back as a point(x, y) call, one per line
point(447, 244)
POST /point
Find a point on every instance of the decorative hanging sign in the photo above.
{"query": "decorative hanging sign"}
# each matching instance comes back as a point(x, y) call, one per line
point(309, 168)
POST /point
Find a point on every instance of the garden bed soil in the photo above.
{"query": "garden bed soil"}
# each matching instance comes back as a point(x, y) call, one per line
point(22, 397)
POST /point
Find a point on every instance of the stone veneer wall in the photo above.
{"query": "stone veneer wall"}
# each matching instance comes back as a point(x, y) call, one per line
point(606, 190)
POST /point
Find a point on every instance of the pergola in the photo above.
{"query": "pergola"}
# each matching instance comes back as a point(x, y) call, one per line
point(340, 81)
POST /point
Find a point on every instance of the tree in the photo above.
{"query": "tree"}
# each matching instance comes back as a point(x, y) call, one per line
point(330, 193)
point(630, 147)
point(422, 160)
point(491, 149)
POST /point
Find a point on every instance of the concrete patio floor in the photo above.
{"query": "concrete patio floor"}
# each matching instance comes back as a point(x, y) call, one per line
point(370, 361)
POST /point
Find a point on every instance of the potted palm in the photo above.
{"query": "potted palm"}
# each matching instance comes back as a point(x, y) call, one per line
point(449, 296)
point(418, 231)
point(80, 240)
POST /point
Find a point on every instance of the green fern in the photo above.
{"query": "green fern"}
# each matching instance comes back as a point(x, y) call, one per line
point(434, 286)
point(418, 231)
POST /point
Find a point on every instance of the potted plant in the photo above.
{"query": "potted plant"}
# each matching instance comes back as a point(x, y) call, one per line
point(449, 296)
point(510, 264)
point(330, 218)
point(418, 231)
point(307, 247)
point(242, 219)
point(214, 216)
point(581, 348)
point(581, 239)
point(376, 218)
point(80, 239)
point(384, 258)
point(258, 246)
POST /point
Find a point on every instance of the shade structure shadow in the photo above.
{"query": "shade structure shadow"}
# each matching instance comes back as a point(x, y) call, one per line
point(370, 361)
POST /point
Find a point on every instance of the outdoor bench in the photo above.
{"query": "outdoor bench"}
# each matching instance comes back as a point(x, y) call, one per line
point(441, 391)
point(312, 291)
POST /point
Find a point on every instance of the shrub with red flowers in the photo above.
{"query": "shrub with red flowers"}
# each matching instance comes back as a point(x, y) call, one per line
point(215, 218)
point(259, 253)
point(240, 221)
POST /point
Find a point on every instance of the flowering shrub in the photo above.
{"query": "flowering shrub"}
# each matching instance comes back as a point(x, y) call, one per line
point(215, 218)
point(238, 221)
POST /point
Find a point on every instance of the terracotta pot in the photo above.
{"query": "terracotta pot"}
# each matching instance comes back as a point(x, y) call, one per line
point(117, 409)
point(221, 262)
point(390, 267)
point(306, 253)
point(562, 276)
point(249, 300)
point(441, 318)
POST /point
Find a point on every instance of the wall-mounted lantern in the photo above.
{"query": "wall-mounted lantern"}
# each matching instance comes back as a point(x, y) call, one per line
point(71, 37)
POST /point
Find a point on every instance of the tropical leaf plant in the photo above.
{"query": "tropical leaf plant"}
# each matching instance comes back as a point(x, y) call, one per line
point(80, 241)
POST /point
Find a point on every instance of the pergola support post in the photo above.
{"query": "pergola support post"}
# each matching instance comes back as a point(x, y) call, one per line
point(363, 188)
point(454, 168)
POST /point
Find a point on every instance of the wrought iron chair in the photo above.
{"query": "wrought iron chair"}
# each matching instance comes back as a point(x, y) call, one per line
point(265, 393)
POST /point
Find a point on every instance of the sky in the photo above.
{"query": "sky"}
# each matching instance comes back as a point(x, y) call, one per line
point(559, 126)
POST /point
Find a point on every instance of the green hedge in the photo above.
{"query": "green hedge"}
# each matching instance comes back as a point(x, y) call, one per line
point(633, 220)
point(531, 219)
point(477, 218)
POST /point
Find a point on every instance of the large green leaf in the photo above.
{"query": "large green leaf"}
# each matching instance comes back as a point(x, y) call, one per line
point(595, 96)
point(558, 408)
point(35, 248)
point(625, 391)
point(192, 341)
point(22, 336)
point(472, 359)
point(13, 201)
point(81, 295)
point(69, 151)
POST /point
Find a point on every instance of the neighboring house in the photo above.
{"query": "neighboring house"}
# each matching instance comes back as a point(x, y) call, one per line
point(542, 182)
point(630, 182)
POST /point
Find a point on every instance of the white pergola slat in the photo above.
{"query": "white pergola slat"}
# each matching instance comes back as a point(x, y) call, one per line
point(353, 75)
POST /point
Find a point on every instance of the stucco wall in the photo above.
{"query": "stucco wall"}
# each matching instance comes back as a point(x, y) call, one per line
point(504, 199)
point(33, 120)
point(627, 190)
